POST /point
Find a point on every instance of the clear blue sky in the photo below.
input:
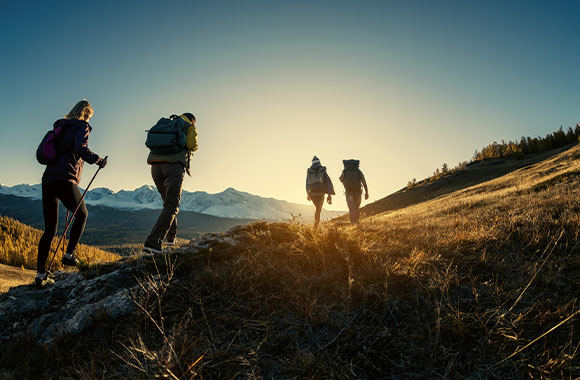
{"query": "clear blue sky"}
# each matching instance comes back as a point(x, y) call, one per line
point(403, 86)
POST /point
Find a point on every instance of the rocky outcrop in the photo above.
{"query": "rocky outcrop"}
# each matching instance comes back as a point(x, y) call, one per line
point(69, 306)
point(76, 300)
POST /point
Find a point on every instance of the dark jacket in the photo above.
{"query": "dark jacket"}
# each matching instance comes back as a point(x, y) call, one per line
point(327, 181)
point(74, 151)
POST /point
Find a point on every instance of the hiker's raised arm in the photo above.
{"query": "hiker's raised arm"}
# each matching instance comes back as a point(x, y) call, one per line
point(82, 145)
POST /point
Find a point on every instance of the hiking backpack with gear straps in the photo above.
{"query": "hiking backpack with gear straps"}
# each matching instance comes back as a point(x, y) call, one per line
point(351, 176)
point(167, 136)
point(47, 152)
point(315, 180)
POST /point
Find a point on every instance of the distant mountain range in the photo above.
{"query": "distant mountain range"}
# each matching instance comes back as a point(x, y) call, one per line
point(108, 226)
point(230, 203)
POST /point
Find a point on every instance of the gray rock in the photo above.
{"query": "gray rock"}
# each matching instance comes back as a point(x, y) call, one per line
point(212, 239)
point(74, 303)
point(70, 306)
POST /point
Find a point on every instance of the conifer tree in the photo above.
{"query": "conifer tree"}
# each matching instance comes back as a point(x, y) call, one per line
point(570, 137)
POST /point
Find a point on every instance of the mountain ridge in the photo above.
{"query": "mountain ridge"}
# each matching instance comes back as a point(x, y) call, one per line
point(230, 203)
point(109, 226)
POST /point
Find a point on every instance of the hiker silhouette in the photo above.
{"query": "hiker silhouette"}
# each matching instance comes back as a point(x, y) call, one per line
point(69, 145)
point(353, 180)
point(171, 142)
point(318, 183)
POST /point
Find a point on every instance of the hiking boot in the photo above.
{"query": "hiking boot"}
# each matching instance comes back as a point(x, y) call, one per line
point(151, 250)
point(43, 282)
point(70, 261)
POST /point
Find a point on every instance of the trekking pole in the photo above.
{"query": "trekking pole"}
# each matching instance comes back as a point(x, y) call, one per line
point(68, 222)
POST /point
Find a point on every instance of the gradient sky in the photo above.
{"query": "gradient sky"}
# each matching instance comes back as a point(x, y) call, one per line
point(403, 86)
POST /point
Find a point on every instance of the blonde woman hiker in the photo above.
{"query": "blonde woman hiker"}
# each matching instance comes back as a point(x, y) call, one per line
point(60, 182)
point(171, 142)
point(318, 183)
point(353, 180)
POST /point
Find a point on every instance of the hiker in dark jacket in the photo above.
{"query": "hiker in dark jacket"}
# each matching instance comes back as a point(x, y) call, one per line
point(318, 183)
point(353, 179)
point(60, 182)
point(168, 171)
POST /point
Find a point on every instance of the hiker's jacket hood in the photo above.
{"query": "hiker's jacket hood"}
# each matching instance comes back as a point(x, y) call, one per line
point(73, 148)
point(327, 181)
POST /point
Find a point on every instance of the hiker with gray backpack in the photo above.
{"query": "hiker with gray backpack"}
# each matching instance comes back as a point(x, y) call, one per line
point(318, 183)
point(171, 142)
point(353, 180)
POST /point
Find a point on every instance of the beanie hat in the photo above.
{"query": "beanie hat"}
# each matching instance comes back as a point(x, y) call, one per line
point(189, 117)
point(315, 160)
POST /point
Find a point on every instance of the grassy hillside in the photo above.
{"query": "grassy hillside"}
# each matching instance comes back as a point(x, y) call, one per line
point(472, 174)
point(482, 283)
point(19, 244)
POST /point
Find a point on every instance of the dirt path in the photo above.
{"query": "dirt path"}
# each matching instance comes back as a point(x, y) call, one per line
point(14, 276)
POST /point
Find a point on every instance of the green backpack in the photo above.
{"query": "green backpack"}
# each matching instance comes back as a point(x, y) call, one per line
point(167, 136)
point(351, 176)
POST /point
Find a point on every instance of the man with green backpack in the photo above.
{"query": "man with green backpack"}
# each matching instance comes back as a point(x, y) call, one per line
point(171, 142)
point(353, 179)
point(318, 183)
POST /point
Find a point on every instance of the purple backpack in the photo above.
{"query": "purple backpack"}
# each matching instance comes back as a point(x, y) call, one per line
point(47, 152)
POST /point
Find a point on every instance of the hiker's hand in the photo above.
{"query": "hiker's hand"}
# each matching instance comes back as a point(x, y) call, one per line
point(329, 200)
point(308, 197)
point(366, 196)
point(102, 162)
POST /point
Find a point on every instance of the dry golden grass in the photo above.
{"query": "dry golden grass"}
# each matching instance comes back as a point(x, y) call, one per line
point(19, 247)
point(12, 276)
point(479, 284)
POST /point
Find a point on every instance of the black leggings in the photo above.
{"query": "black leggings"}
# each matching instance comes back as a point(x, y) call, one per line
point(69, 195)
point(318, 201)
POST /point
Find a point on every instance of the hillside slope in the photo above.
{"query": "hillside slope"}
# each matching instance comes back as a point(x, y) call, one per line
point(473, 174)
point(481, 283)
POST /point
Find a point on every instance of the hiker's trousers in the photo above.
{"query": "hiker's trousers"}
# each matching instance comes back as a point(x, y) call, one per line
point(353, 203)
point(168, 178)
point(69, 194)
point(318, 200)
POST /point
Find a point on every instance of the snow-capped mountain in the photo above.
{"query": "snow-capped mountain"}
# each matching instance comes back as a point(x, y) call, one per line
point(27, 191)
point(230, 203)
